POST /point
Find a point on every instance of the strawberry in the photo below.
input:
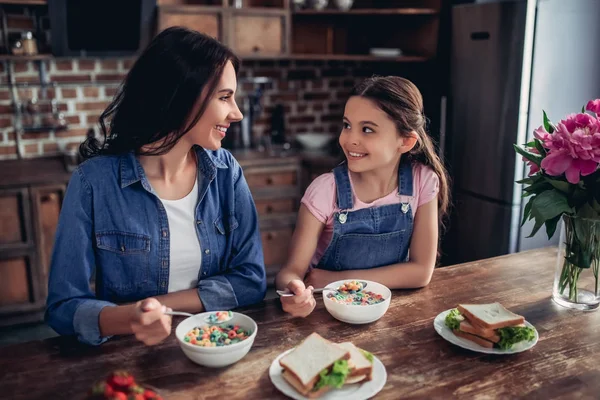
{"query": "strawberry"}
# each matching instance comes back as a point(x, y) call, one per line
point(120, 380)
point(136, 397)
point(102, 389)
point(150, 395)
point(118, 396)
point(135, 389)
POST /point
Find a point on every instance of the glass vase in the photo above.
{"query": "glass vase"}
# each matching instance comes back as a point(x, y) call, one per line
point(576, 278)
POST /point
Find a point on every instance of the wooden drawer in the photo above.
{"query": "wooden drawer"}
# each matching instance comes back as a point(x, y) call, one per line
point(273, 206)
point(258, 34)
point(271, 178)
point(206, 22)
point(14, 218)
point(276, 243)
point(15, 288)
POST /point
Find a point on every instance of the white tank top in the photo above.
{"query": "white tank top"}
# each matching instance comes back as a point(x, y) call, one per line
point(185, 252)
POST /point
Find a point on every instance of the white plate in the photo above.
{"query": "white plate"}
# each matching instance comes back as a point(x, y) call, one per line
point(441, 328)
point(357, 391)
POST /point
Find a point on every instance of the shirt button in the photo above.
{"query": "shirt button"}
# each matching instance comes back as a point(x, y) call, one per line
point(163, 284)
point(123, 249)
point(165, 263)
point(165, 233)
point(204, 273)
point(199, 222)
point(207, 251)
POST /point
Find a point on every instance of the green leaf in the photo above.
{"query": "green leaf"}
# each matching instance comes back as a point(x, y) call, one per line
point(587, 211)
point(539, 147)
point(536, 227)
point(559, 185)
point(534, 158)
point(528, 181)
point(551, 226)
point(549, 204)
point(538, 187)
point(547, 124)
point(527, 211)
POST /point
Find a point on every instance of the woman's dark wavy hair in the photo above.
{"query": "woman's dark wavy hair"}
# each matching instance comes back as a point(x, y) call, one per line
point(156, 100)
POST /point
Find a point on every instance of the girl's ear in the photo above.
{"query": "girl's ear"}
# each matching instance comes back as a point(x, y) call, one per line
point(408, 142)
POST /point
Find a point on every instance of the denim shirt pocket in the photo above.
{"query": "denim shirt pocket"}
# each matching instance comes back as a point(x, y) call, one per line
point(125, 257)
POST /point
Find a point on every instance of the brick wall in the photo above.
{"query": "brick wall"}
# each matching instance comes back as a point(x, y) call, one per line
point(313, 94)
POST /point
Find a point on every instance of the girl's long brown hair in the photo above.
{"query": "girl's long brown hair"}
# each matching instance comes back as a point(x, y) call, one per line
point(403, 102)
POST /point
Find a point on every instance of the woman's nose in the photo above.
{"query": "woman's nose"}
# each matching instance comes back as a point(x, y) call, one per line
point(236, 115)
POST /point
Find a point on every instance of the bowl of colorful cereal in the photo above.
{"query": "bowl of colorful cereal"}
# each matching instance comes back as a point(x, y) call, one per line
point(216, 344)
point(354, 304)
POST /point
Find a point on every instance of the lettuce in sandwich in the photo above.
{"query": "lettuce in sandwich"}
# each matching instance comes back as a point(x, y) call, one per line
point(470, 327)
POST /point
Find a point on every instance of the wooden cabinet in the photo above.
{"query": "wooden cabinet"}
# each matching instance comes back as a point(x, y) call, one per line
point(259, 28)
point(275, 184)
point(259, 34)
point(28, 220)
point(207, 20)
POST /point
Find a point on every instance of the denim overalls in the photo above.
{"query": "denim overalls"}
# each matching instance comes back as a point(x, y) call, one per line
point(370, 237)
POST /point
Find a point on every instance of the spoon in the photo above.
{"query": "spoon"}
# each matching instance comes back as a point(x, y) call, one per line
point(287, 293)
point(218, 317)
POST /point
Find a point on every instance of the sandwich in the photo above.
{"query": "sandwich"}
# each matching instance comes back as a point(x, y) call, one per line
point(360, 363)
point(489, 325)
point(317, 365)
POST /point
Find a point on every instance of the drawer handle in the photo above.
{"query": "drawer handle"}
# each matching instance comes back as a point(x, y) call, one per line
point(269, 209)
point(269, 181)
point(49, 197)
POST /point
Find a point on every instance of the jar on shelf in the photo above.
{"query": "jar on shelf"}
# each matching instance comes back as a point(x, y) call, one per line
point(29, 44)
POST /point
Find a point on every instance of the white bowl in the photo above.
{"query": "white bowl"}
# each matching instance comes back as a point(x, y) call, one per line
point(314, 141)
point(216, 356)
point(355, 314)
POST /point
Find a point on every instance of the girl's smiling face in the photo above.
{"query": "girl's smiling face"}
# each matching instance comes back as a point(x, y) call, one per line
point(369, 137)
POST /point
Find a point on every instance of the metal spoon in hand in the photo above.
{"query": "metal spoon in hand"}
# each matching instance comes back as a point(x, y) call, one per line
point(287, 293)
point(215, 318)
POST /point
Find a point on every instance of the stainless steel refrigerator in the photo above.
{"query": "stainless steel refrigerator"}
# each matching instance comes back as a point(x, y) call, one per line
point(510, 60)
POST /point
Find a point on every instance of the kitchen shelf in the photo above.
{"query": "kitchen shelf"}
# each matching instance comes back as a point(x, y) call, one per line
point(12, 57)
point(44, 128)
point(25, 2)
point(357, 57)
point(371, 11)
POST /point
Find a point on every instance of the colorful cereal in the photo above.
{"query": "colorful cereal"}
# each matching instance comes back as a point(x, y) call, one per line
point(350, 287)
point(365, 298)
point(219, 316)
point(216, 336)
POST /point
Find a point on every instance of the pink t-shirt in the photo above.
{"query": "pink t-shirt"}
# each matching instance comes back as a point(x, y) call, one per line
point(321, 200)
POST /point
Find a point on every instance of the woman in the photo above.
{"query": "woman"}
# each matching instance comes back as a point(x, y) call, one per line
point(155, 212)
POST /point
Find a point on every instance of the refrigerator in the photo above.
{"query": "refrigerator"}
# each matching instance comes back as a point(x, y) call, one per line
point(509, 61)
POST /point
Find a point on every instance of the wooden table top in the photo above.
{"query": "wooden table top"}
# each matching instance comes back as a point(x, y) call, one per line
point(419, 363)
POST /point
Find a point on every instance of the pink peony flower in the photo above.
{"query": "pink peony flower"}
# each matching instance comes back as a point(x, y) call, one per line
point(594, 106)
point(573, 148)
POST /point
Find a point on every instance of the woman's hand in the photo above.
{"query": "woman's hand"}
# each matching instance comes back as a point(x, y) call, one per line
point(303, 303)
point(149, 322)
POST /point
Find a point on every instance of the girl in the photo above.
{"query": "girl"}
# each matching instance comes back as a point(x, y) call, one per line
point(159, 214)
point(377, 215)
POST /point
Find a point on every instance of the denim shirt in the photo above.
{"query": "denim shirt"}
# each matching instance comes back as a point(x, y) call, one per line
point(113, 225)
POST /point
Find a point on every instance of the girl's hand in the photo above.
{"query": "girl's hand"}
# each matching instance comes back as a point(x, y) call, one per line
point(149, 322)
point(319, 278)
point(303, 303)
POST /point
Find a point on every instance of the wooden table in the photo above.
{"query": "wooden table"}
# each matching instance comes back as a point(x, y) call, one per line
point(420, 364)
